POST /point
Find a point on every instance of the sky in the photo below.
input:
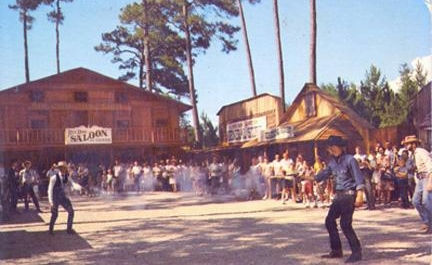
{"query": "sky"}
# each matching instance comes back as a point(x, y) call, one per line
point(351, 36)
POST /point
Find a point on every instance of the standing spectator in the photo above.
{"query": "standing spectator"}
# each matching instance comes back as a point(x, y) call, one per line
point(401, 173)
point(279, 175)
point(411, 171)
point(119, 176)
point(387, 184)
point(157, 173)
point(13, 181)
point(110, 181)
point(422, 198)
point(215, 171)
point(28, 180)
point(268, 173)
point(367, 172)
point(83, 179)
point(359, 156)
point(307, 184)
point(5, 195)
point(136, 171)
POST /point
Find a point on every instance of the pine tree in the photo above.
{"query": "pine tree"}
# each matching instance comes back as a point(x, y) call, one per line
point(24, 7)
point(56, 16)
point(145, 42)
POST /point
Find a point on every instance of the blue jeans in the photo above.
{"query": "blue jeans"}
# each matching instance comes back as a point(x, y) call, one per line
point(422, 201)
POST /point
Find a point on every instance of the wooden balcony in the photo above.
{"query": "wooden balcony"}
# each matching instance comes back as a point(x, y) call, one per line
point(56, 137)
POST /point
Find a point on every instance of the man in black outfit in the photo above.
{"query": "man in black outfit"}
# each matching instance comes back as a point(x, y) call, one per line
point(349, 183)
point(57, 196)
point(13, 182)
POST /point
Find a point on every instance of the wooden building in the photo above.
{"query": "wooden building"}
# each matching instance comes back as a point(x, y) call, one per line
point(240, 120)
point(423, 115)
point(36, 117)
point(313, 116)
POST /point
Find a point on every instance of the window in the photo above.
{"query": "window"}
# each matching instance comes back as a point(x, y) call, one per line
point(161, 123)
point(81, 96)
point(121, 97)
point(123, 124)
point(37, 96)
point(310, 105)
point(37, 124)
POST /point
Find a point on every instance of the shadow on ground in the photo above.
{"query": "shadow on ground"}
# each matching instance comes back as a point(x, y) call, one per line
point(239, 241)
point(23, 244)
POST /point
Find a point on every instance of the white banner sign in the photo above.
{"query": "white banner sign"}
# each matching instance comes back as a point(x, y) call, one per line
point(88, 135)
point(246, 130)
point(277, 133)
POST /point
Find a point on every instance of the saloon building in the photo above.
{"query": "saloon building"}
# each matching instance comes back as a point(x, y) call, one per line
point(82, 115)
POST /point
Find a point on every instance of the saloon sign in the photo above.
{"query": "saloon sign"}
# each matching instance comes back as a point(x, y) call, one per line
point(88, 135)
point(246, 130)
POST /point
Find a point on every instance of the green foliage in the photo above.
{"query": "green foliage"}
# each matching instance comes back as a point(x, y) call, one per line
point(420, 75)
point(210, 132)
point(126, 44)
point(375, 101)
point(24, 7)
point(56, 15)
point(207, 21)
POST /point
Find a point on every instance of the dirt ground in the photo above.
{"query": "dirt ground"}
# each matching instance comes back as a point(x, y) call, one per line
point(167, 228)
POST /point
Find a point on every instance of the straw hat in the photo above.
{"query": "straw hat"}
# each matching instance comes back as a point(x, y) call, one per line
point(62, 164)
point(410, 139)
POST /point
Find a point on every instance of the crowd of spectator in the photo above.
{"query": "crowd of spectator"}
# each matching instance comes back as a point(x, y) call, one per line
point(389, 173)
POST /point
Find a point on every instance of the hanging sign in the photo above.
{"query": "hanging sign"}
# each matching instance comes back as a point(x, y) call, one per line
point(88, 135)
point(277, 133)
point(246, 130)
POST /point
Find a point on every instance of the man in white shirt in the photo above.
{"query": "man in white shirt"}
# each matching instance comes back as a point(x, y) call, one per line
point(278, 174)
point(136, 174)
point(57, 196)
point(28, 178)
point(422, 199)
point(119, 176)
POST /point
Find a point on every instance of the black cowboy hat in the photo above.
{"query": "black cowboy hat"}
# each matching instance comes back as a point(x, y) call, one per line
point(336, 140)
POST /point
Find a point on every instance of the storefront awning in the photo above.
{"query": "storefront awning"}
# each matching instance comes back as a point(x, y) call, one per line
point(314, 129)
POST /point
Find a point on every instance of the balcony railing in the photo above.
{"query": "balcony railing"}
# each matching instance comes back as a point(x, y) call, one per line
point(56, 137)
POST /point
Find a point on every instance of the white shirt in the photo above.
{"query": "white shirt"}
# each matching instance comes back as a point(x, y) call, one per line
point(136, 170)
point(423, 160)
point(286, 163)
point(360, 157)
point(51, 185)
point(118, 170)
point(277, 166)
point(28, 176)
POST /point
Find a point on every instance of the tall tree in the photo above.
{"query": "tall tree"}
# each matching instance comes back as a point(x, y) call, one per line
point(420, 75)
point(191, 81)
point(154, 48)
point(313, 42)
point(56, 16)
point(210, 132)
point(201, 21)
point(279, 53)
point(247, 46)
point(24, 7)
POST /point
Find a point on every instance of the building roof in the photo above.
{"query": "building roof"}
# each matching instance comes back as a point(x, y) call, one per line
point(309, 87)
point(246, 100)
point(315, 129)
point(83, 75)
